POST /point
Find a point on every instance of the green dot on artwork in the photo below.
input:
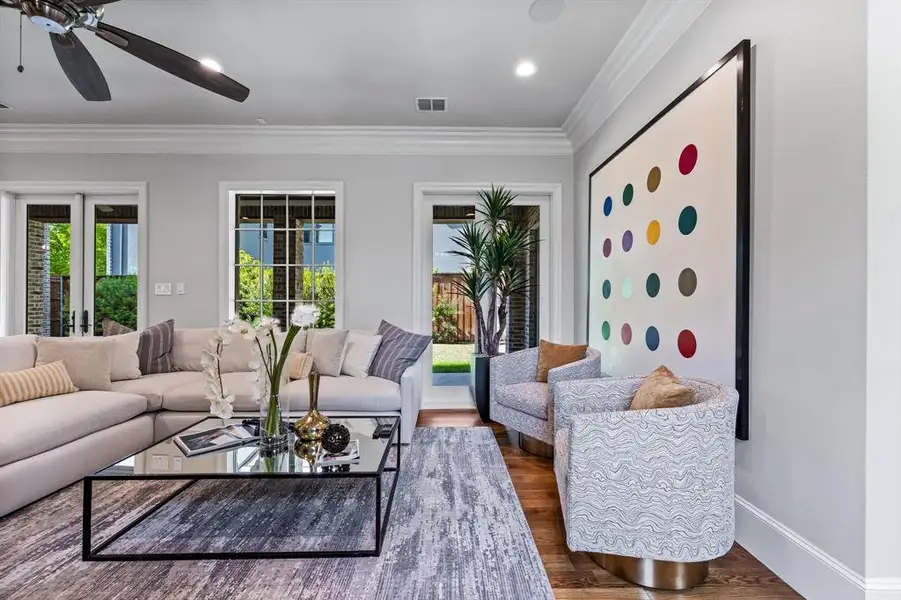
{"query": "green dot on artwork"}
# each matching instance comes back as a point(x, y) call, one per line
point(628, 194)
point(688, 220)
point(606, 289)
point(605, 330)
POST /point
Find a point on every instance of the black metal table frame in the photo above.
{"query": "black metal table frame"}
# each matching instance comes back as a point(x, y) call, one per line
point(90, 553)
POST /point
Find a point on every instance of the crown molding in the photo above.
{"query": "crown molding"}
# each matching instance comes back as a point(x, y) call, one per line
point(658, 26)
point(154, 139)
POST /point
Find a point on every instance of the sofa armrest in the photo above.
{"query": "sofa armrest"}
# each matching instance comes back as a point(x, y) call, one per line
point(587, 368)
point(411, 383)
point(664, 477)
point(516, 367)
point(604, 394)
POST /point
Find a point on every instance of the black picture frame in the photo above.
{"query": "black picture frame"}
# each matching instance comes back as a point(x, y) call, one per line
point(742, 52)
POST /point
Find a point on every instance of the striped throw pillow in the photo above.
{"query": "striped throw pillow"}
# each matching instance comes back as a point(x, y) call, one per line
point(300, 364)
point(38, 382)
point(399, 350)
point(110, 327)
point(155, 348)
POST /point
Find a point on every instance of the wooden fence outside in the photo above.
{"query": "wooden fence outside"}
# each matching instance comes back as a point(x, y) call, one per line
point(443, 288)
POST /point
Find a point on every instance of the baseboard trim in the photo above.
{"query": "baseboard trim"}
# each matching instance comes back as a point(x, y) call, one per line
point(812, 572)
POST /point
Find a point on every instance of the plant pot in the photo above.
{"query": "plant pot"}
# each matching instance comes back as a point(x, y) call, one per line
point(479, 385)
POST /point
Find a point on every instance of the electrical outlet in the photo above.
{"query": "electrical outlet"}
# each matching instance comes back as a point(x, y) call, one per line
point(160, 462)
point(176, 463)
point(180, 288)
point(163, 289)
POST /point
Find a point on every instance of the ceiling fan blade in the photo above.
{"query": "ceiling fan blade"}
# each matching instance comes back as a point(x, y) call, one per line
point(86, 3)
point(173, 62)
point(80, 67)
point(14, 5)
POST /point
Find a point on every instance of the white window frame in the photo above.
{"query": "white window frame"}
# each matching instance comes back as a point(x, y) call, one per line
point(228, 192)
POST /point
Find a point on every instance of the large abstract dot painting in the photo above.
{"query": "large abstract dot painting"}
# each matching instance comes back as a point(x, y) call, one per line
point(628, 194)
point(688, 345)
point(608, 206)
point(653, 179)
point(652, 285)
point(605, 330)
point(606, 288)
point(652, 338)
point(688, 159)
point(626, 334)
point(688, 220)
point(608, 248)
point(628, 240)
point(653, 232)
point(688, 282)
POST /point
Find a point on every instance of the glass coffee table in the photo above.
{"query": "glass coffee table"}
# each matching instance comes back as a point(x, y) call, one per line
point(165, 461)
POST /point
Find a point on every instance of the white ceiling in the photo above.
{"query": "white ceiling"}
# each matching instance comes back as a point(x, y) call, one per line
point(328, 62)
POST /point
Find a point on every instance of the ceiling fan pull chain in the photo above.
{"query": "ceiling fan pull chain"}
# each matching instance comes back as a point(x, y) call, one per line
point(21, 67)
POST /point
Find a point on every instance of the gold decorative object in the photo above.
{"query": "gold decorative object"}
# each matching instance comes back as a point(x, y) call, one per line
point(654, 574)
point(312, 425)
point(308, 451)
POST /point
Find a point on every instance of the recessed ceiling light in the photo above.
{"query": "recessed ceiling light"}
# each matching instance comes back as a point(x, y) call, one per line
point(547, 11)
point(526, 68)
point(211, 64)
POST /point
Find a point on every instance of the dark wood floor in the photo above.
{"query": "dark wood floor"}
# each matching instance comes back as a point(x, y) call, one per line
point(572, 574)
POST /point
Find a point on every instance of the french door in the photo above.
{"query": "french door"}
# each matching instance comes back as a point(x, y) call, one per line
point(77, 260)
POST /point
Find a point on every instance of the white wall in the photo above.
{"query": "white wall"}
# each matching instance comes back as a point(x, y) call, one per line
point(378, 192)
point(883, 293)
point(804, 465)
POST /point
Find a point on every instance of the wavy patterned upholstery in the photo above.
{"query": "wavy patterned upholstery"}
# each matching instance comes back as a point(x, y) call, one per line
point(521, 403)
point(655, 484)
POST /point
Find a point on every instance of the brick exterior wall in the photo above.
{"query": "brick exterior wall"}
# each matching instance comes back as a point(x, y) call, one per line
point(38, 289)
point(522, 311)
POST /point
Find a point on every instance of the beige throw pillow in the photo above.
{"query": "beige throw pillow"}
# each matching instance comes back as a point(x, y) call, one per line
point(361, 349)
point(300, 365)
point(88, 361)
point(125, 363)
point(551, 356)
point(37, 382)
point(661, 389)
point(327, 348)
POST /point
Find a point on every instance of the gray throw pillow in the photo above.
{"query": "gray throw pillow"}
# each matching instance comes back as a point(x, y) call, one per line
point(111, 328)
point(155, 348)
point(399, 350)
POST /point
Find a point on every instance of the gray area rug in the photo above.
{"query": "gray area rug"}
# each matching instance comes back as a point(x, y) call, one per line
point(457, 531)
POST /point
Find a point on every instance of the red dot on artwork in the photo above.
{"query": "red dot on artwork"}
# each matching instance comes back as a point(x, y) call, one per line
point(626, 334)
point(688, 345)
point(688, 159)
point(608, 248)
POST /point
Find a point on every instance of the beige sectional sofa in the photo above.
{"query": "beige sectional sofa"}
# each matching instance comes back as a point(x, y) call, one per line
point(51, 442)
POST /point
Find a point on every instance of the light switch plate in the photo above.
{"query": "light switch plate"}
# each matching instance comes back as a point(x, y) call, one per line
point(180, 288)
point(163, 289)
point(176, 463)
point(160, 462)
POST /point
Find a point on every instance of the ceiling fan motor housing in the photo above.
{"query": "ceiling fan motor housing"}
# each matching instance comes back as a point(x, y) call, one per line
point(50, 16)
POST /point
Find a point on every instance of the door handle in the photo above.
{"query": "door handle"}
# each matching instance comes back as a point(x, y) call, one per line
point(71, 325)
point(84, 322)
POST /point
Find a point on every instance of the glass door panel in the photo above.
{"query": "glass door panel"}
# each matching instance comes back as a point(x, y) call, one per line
point(111, 264)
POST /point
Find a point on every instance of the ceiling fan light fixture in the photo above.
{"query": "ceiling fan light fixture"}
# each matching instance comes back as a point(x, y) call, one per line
point(211, 64)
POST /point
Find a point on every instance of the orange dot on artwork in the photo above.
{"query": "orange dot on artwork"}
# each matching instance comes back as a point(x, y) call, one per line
point(653, 232)
point(653, 179)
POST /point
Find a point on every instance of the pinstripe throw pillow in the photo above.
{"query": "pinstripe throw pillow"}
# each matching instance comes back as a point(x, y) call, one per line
point(399, 350)
point(38, 382)
point(155, 348)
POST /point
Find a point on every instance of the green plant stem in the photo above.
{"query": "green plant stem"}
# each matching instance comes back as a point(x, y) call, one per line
point(272, 425)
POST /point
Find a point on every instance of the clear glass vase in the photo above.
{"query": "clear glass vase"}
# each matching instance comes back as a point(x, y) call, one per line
point(273, 427)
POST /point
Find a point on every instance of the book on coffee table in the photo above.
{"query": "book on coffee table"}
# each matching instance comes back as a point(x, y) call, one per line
point(348, 455)
point(213, 440)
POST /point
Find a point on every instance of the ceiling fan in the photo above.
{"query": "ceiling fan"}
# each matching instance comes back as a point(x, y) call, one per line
point(61, 17)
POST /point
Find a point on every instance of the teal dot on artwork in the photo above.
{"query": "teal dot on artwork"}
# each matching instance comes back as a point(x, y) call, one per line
point(653, 285)
point(688, 220)
point(605, 330)
point(627, 287)
point(606, 289)
point(628, 194)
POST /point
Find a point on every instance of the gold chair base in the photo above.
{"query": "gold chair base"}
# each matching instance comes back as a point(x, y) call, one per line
point(529, 444)
point(656, 574)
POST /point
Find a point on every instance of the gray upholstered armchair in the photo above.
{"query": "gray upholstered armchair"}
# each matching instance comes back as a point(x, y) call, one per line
point(650, 493)
point(526, 406)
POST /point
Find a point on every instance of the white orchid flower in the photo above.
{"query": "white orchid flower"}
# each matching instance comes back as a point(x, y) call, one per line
point(267, 323)
point(244, 329)
point(224, 409)
point(304, 315)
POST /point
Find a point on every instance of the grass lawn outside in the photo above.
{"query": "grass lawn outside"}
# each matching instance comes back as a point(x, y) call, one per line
point(451, 358)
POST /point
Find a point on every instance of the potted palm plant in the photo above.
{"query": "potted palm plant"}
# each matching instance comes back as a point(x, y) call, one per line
point(494, 248)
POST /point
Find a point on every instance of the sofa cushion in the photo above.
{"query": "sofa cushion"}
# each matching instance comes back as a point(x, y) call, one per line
point(17, 352)
point(33, 427)
point(88, 360)
point(345, 393)
point(532, 398)
point(155, 387)
point(190, 396)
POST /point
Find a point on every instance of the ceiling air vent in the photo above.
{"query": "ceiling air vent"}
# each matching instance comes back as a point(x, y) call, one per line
point(431, 104)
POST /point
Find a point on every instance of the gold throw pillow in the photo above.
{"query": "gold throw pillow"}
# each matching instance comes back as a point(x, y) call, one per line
point(47, 380)
point(301, 364)
point(551, 356)
point(661, 389)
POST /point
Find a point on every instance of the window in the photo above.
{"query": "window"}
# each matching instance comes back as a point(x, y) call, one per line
point(284, 254)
